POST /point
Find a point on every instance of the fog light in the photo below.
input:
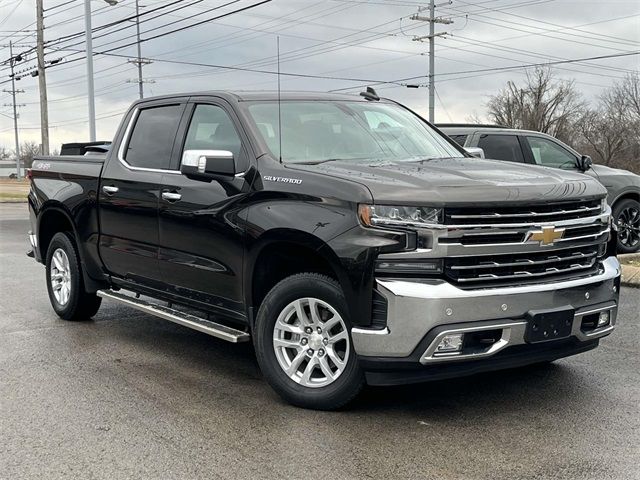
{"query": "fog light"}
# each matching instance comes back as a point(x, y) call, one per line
point(604, 318)
point(450, 343)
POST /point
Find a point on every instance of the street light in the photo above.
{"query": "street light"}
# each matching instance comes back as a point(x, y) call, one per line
point(89, 50)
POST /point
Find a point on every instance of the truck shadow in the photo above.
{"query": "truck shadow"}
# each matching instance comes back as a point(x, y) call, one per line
point(197, 362)
point(514, 389)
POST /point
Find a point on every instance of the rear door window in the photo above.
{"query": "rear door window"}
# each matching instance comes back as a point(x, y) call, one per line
point(152, 138)
point(501, 147)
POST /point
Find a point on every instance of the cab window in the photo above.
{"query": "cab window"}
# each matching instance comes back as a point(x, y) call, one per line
point(152, 138)
point(211, 128)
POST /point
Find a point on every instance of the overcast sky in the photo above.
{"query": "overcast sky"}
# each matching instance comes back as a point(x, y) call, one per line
point(357, 39)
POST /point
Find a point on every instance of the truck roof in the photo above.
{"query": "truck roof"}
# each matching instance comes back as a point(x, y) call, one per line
point(257, 95)
point(466, 128)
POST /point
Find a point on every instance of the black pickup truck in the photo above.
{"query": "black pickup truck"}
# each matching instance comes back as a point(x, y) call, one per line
point(349, 239)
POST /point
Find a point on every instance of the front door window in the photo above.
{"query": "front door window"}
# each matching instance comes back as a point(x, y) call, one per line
point(549, 154)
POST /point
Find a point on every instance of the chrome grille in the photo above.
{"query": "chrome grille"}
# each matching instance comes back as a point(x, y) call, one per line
point(502, 235)
point(523, 268)
point(555, 212)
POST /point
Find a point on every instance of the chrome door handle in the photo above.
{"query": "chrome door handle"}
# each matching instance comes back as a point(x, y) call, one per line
point(110, 189)
point(171, 196)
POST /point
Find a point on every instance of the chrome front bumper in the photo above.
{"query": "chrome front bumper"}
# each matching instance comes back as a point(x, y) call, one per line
point(416, 308)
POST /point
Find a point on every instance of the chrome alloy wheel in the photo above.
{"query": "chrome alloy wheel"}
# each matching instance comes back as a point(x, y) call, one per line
point(629, 226)
point(60, 276)
point(311, 342)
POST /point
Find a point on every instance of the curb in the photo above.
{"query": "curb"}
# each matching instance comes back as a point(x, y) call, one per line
point(630, 273)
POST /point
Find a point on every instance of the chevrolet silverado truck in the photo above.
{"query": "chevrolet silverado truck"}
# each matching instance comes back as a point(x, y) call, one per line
point(345, 236)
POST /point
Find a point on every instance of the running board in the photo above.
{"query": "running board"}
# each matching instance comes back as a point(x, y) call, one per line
point(185, 319)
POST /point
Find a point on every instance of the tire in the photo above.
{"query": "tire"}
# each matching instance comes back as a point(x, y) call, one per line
point(280, 340)
point(63, 269)
point(626, 214)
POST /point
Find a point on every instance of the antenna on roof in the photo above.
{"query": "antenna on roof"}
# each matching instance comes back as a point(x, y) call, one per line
point(279, 108)
point(370, 94)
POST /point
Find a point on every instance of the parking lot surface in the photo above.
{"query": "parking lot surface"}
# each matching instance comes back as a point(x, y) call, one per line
point(131, 396)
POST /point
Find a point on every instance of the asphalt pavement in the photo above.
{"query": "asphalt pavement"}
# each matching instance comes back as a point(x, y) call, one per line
point(129, 396)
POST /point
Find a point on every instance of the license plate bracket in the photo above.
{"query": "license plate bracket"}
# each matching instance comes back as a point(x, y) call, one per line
point(548, 325)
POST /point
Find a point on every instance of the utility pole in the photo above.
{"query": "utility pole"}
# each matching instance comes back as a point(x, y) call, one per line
point(42, 81)
point(139, 62)
point(432, 44)
point(89, 52)
point(15, 108)
point(91, 100)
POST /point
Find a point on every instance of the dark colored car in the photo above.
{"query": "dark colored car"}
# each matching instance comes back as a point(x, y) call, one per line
point(525, 146)
point(356, 244)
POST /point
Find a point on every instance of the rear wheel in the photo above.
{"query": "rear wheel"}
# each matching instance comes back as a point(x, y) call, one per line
point(303, 344)
point(627, 215)
point(64, 281)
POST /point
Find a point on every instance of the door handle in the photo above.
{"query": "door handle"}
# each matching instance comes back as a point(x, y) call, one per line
point(171, 196)
point(110, 189)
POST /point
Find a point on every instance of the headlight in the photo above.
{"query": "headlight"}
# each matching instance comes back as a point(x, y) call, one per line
point(374, 215)
point(603, 205)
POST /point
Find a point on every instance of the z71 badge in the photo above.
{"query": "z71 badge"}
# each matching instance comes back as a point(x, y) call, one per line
point(295, 181)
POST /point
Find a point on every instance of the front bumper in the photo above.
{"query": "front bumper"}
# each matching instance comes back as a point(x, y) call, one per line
point(420, 312)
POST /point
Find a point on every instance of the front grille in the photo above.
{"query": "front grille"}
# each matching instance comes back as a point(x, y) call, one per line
point(481, 236)
point(555, 212)
point(523, 268)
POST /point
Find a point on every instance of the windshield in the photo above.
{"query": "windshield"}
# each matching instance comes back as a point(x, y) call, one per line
point(317, 131)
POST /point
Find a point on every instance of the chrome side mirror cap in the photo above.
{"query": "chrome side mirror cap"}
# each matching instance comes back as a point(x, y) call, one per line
point(208, 165)
point(475, 151)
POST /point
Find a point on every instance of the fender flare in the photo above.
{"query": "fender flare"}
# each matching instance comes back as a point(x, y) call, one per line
point(295, 238)
point(90, 284)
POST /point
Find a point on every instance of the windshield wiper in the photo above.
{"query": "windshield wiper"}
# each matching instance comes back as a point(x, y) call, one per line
point(318, 162)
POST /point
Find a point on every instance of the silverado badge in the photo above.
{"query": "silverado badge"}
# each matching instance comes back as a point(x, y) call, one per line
point(546, 236)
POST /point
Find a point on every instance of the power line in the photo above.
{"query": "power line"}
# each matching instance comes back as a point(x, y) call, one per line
point(515, 28)
point(59, 5)
point(501, 69)
point(186, 27)
point(612, 38)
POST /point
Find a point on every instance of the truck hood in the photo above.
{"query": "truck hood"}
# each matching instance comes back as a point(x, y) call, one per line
point(463, 181)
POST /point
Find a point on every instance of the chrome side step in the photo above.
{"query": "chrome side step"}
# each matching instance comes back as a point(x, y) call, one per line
point(185, 319)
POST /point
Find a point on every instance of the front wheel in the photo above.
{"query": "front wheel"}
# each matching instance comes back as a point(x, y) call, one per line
point(303, 344)
point(627, 215)
point(64, 280)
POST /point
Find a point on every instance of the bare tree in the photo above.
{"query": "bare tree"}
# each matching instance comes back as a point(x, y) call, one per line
point(603, 133)
point(5, 154)
point(28, 150)
point(541, 103)
point(629, 88)
point(610, 132)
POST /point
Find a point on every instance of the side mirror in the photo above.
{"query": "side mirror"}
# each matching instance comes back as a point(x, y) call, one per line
point(584, 163)
point(475, 151)
point(208, 165)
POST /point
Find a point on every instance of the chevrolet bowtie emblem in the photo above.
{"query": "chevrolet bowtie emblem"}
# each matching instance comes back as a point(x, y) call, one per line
point(546, 236)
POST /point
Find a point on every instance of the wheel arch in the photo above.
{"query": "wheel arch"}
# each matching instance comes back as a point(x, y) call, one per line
point(281, 253)
point(54, 217)
point(629, 194)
